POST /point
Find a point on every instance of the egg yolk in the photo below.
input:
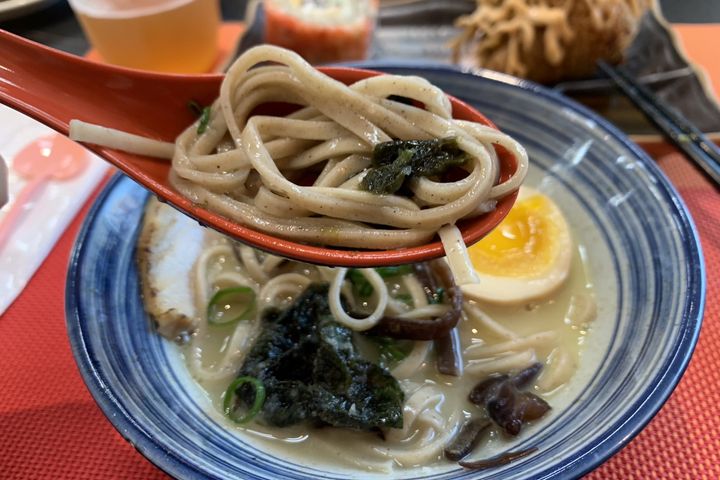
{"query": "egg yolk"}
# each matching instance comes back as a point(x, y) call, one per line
point(523, 245)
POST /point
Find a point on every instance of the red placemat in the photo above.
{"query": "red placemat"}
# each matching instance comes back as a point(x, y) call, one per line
point(50, 427)
point(683, 440)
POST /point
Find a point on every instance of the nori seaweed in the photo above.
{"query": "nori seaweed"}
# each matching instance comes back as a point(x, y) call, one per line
point(397, 161)
point(313, 373)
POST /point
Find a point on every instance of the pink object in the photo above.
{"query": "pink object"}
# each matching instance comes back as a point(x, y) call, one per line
point(53, 157)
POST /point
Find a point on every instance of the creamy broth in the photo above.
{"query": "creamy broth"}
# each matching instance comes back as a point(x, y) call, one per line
point(507, 338)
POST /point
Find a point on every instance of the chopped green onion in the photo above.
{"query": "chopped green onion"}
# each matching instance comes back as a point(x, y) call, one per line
point(202, 113)
point(390, 350)
point(388, 272)
point(406, 298)
point(229, 399)
point(363, 287)
point(222, 304)
point(204, 120)
point(438, 296)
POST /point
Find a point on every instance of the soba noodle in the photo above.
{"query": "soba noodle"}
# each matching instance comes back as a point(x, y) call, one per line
point(250, 168)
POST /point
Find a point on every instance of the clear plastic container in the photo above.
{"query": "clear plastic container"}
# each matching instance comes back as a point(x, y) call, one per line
point(321, 31)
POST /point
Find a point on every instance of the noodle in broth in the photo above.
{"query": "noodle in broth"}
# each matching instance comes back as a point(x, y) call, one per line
point(493, 340)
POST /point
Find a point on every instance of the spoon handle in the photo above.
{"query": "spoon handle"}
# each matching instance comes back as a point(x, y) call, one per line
point(55, 87)
point(18, 207)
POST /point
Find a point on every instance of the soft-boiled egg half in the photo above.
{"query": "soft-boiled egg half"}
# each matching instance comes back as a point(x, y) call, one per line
point(527, 257)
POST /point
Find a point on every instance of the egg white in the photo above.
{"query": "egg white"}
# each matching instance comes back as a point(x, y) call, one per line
point(513, 290)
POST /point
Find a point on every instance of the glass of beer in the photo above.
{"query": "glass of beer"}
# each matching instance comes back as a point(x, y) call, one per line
point(177, 36)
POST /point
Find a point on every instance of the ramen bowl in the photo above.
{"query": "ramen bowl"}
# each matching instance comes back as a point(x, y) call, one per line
point(639, 244)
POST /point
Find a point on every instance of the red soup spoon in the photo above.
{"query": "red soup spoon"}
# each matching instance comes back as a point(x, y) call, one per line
point(54, 87)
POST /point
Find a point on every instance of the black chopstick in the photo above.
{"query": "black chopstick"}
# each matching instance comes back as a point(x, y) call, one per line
point(679, 129)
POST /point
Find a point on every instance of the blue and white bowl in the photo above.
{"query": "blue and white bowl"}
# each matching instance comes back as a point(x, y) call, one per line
point(643, 253)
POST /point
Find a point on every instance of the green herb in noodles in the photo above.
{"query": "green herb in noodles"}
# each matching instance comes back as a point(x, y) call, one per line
point(230, 305)
point(229, 399)
point(203, 113)
point(396, 161)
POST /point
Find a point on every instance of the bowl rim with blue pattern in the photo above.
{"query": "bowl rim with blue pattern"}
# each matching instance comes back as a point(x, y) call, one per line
point(121, 359)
